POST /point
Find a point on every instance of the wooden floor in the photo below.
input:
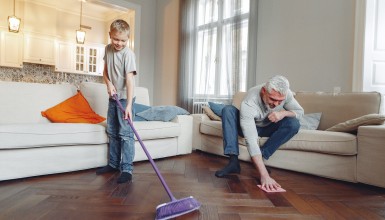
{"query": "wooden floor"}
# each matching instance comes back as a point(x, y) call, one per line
point(83, 195)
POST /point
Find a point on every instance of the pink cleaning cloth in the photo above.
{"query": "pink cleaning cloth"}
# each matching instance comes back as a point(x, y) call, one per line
point(271, 191)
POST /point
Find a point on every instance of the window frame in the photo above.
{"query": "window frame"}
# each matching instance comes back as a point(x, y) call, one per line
point(219, 24)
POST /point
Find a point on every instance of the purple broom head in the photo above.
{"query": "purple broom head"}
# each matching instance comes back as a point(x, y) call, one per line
point(176, 208)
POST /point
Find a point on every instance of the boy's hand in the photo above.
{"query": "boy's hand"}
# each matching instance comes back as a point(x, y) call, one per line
point(128, 113)
point(111, 89)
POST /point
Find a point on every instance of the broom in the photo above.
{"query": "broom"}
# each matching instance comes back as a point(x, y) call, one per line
point(171, 209)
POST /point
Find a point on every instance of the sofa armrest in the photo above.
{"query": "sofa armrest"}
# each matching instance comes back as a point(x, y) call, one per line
point(185, 137)
point(371, 154)
point(197, 140)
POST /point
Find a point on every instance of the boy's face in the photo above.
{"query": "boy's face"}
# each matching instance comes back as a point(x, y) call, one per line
point(118, 39)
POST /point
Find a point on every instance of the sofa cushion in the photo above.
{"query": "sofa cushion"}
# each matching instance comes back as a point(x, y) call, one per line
point(217, 108)
point(322, 142)
point(310, 121)
point(353, 105)
point(136, 108)
point(353, 124)
point(162, 113)
point(97, 96)
point(340, 107)
point(23, 102)
point(238, 98)
point(207, 110)
point(211, 128)
point(73, 110)
point(50, 134)
point(149, 130)
point(306, 140)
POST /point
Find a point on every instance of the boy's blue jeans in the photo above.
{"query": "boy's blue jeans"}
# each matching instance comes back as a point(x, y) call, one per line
point(121, 138)
point(278, 133)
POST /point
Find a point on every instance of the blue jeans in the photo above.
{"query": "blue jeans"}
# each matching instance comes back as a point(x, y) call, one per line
point(121, 138)
point(278, 133)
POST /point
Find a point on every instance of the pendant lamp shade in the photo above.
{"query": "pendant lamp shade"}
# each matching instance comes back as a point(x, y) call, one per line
point(80, 34)
point(13, 21)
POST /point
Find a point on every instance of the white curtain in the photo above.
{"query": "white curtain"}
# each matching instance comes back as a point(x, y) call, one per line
point(217, 50)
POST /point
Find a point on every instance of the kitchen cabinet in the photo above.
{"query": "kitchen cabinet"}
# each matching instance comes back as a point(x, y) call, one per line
point(11, 47)
point(39, 49)
point(65, 57)
point(79, 58)
point(89, 59)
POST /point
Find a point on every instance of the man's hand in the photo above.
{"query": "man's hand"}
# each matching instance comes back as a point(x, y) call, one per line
point(266, 181)
point(276, 116)
point(269, 183)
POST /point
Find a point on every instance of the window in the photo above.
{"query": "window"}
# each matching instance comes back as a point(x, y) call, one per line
point(369, 62)
point(374, 47)
point(221, 44)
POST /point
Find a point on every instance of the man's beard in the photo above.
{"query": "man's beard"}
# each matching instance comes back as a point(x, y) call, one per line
point(269, 109)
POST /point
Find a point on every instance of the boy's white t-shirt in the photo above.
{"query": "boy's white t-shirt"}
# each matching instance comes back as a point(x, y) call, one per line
point(119, 63)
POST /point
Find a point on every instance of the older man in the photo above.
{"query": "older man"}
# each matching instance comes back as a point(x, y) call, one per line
point(268, 110)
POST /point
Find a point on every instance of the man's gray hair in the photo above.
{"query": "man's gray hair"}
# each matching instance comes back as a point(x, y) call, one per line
point(278, 83)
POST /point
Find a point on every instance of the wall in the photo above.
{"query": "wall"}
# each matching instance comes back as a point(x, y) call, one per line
point(159, 30)
point(309, 41)
point(38, 19)
point(66, 25)
point(147, 43)
point(159, 36)
point(167, 56)
point(6, 9)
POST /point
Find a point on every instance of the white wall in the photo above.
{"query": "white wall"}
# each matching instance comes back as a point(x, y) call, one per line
point(167, 54)
point(6, 9)
point(159, 49)
point(51, 22)
point(147, 44)
point(309, 41)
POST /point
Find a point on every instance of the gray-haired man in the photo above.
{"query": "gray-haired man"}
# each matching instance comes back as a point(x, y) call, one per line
point(268, 110)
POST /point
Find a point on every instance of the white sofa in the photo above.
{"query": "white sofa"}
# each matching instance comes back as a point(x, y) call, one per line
point(30, 145)
point(336, 155)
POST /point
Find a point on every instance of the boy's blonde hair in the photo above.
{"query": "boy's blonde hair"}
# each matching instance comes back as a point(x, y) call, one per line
point(120, 26)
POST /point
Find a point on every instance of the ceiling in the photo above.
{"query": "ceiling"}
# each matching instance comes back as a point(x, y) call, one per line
point(97, 9)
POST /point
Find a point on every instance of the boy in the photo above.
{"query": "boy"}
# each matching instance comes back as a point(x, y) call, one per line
point(118, 74)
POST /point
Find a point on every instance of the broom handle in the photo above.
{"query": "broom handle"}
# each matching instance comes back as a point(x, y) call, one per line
point(145, 151)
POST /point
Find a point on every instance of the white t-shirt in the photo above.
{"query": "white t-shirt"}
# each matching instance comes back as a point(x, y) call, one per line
point(119, 64)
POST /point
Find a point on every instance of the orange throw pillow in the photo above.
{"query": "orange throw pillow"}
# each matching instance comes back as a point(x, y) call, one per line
point(73, 110)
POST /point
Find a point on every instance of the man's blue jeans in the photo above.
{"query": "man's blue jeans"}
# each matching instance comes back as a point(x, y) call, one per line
point(121, 138)
point(278, 133)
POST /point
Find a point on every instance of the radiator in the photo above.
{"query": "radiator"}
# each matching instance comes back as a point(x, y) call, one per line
point(197, 107)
